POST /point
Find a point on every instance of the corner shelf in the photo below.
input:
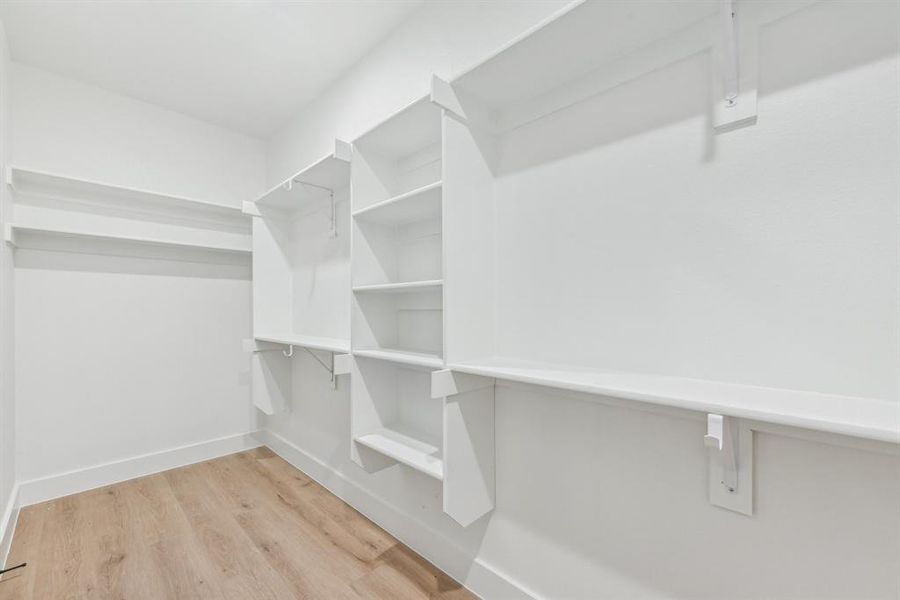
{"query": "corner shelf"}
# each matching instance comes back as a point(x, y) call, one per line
point(416, 205)
point(867, 418)
point(406, 447)
point(336, 345)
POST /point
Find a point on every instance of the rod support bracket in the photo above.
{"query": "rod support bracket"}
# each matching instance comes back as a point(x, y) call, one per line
point(730, 463)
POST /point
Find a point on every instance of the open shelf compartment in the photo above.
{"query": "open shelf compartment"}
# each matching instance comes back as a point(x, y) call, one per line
point(395, 419)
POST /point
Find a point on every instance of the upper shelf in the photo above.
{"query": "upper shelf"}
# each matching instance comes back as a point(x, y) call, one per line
point(867, 418)
point(329, 173)
point(32, 184)
point(409, 130)
point(339, 346)
point(583, 50)
point(417, 205)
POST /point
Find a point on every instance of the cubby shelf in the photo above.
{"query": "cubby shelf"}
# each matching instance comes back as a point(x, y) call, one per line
point(407, 447)
point(306, 341)
point(406, 357)
point(867, 418)
point(416, 205)
point(399, 288)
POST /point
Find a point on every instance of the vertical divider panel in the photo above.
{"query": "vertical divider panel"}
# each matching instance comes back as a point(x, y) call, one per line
point(469, 248)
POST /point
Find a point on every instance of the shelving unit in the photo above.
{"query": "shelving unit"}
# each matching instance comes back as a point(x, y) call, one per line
point(398, 320)
point(61, 207)
point(397, 238)
point(301, 273)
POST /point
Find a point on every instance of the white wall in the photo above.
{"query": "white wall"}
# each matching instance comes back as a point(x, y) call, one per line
point(598, 501)
point(444, 38)
point(7, 325)
point(76, 129)
point(119, 356)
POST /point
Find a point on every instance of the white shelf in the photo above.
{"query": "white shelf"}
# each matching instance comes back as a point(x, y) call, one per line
point(408, 448)
point(34, 183)
point(406, 357)
point(337, 345)
point(400, 288)
point(329, 173)
point(416, 205)
point(867, 418)
point(410, 129)
point(14, 230)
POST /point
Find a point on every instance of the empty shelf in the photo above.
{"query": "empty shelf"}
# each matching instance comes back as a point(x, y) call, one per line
point(406, 357)
point(407, 449)
point(331, 172)
point(33, 182)
point(397, 288)
point(306, 341)
point(13, 230)
point(417, 205)
point(868, 418)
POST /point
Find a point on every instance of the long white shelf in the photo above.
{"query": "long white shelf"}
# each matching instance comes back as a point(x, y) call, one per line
point(409, 449)
point(867, 418)
point(14, 230)
point(33, 182)
point(329, 173)
point(399, 288)
point(416, 205)
point(338, 345)
point(406, 357)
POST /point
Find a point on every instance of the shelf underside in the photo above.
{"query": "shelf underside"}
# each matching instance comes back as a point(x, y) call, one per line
point(406, 447)
point(338, 345)
point(867, 418)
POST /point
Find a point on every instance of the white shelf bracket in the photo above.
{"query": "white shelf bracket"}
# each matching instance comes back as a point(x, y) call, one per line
point(730, 444)
point(445, 383)
point(250, 208)
point(735, 70)
point(443, 95)
point(9, 234)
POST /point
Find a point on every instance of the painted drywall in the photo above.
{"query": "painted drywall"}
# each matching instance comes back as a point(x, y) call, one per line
point(71, 128)
point(599, 501)
point(121, 355)
point(7, 324)
point(443, 38)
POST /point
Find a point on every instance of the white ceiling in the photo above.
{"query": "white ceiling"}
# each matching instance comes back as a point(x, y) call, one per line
point(246, 65)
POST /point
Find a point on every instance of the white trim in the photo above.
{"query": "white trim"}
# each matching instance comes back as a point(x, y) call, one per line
point(480, 577)
point(80, 480)
point(8, 524)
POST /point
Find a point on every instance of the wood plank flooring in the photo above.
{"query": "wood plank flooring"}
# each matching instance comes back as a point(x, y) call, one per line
point(243, 527)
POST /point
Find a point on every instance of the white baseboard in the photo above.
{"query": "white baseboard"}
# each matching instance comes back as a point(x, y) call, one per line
point(480, 577)
point(72, 482)
point(8, 524)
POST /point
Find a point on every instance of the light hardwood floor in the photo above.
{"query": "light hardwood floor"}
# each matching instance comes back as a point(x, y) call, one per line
point(243, 527)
